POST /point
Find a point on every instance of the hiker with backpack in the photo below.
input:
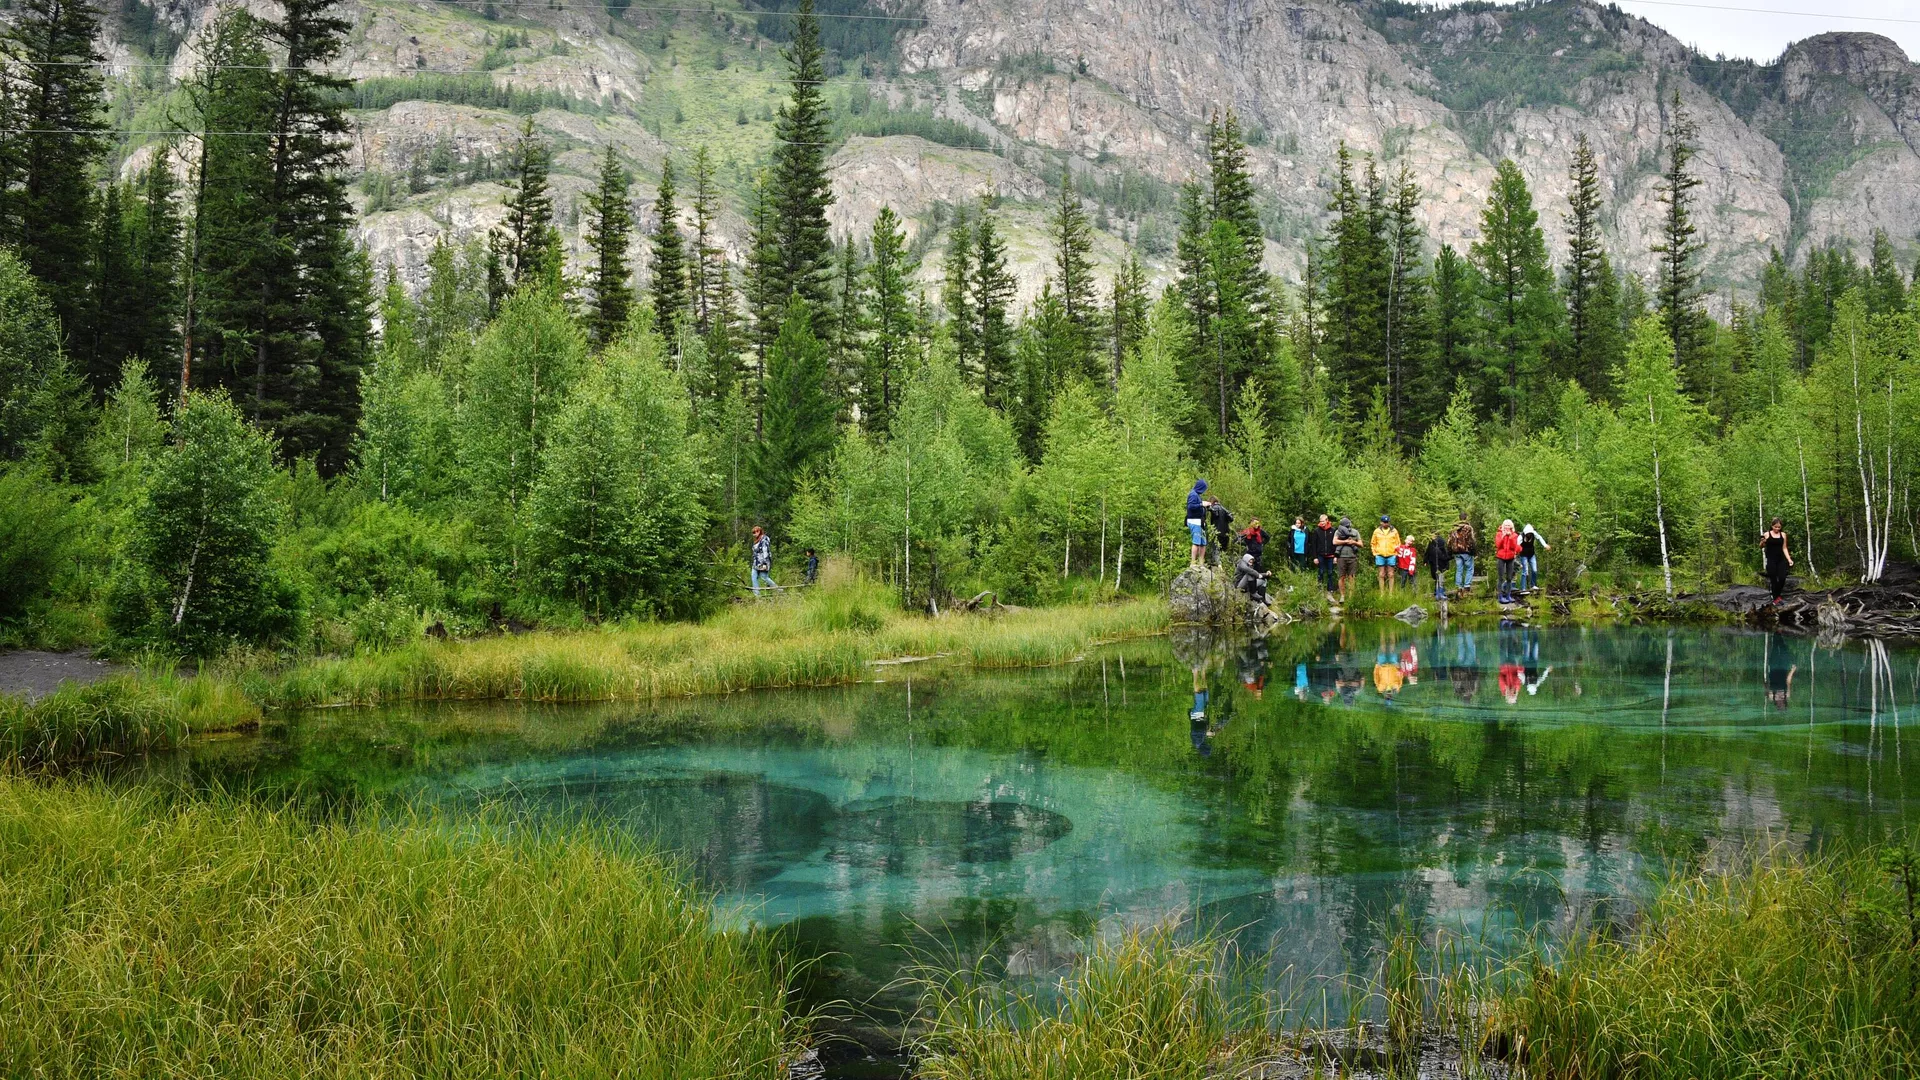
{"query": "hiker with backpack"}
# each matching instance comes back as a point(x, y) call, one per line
point(1438, 556)
point(1222, 519)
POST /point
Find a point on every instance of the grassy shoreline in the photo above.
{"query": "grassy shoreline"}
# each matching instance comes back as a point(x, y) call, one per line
point(835, 638)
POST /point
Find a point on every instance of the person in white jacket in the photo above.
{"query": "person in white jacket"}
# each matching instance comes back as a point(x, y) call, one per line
point(762, 560)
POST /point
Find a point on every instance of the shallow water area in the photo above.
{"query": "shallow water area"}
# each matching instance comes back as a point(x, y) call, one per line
point(1305, 792)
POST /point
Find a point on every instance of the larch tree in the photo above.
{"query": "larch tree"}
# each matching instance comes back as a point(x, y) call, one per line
point(801, 193)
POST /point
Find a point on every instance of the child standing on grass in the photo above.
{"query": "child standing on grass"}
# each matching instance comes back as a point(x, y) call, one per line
point(1404, 559)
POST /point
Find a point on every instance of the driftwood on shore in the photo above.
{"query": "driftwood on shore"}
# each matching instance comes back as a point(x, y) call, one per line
point(1885, 610)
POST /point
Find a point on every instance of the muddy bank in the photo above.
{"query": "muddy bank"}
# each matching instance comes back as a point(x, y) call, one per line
point(33, 674)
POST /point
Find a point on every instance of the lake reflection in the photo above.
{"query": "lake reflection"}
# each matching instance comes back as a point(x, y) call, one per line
point(1304, 790)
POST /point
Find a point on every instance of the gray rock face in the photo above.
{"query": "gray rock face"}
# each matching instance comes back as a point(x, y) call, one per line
point(1204, 598)
point(1121, 90)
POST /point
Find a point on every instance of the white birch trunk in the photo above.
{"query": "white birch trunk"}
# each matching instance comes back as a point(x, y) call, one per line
point(1659, 504)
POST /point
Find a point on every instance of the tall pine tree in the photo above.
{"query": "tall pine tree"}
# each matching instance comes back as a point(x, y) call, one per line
point(52, 145)
point(798, 427)
point(1517, 300)
point(1073, 267)
point(669, 272)
point(709, 259)
point(890, 273)
point(609, 234)
point(990, 300)
point(1127, 323)
point(1585, 267)
point(1677, 286)
point(531, 244)
point(1356, 269)
point(800, 195)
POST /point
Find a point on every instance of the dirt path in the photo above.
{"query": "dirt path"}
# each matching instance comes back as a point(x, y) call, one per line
point(35, 674)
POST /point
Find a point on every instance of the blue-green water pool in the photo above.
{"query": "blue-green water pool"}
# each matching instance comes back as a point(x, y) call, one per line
point(1305, 792)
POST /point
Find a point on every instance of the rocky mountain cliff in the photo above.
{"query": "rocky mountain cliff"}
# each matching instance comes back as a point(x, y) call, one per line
point(944, 101)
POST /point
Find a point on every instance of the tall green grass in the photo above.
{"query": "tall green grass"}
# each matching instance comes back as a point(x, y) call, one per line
point(1148, 1004)
point(118, 714)
point(148, 938)
point(831, 637)
point(1785, 967)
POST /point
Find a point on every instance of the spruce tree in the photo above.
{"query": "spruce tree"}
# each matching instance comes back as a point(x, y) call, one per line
point(1073, 263)
point(530, 237)
point(1582, 276)
point(1128, 321)
point(1455, 322)
point(890, 273)
point(846, 347)
point(669, 271)
point(798, 426)
point(1356, 270)
point(767, 299)
point(609, 235)
point(1414, 399)
point(1677, 285)
point(990, 300)
point(102, 340)
point(803, 264)
point(709, 258)
point(1886, 286)
point(154, 227)
point(53, 145)
point(1517, 300)
point(956, 298)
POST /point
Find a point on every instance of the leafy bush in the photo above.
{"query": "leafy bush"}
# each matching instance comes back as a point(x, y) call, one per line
point(388, 552)
point(199, 573)
point(37, 523)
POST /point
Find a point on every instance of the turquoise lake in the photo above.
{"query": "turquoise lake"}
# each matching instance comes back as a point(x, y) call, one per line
point(1303, 793)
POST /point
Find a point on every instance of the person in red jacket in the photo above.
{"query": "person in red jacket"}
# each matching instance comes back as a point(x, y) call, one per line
point(1506, 549)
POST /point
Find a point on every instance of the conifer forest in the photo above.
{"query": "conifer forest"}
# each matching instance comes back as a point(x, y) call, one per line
point(223, 425)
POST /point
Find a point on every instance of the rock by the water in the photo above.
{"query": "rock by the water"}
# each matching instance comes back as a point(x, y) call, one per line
point(1414, 615)
point(1200, 595)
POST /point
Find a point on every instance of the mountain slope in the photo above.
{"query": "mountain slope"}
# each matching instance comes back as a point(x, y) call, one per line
point(949, 99)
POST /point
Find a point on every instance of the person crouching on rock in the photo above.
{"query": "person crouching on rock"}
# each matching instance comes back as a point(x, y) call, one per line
point(1250, 579)
point(1197, 522)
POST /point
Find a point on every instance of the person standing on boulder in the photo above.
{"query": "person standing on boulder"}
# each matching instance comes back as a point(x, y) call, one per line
point(1222, 519)
point(1197, 522)
point(1778, 556)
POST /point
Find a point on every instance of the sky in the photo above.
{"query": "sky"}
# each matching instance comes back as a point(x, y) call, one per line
point(1761, 29)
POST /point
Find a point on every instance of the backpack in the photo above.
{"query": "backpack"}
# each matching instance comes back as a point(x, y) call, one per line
point(1461, 542)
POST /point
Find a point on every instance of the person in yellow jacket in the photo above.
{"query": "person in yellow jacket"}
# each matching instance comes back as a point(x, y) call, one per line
point(1386, 545)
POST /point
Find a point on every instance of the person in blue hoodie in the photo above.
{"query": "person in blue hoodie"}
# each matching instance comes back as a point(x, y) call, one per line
point(1197, 521)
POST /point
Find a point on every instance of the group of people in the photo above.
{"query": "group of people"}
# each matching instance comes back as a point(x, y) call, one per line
point(1334, 552)
point(761, 563)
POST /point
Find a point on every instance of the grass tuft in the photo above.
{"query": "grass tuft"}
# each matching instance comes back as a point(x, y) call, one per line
point(1786, 966)
point(1147, 1004)
point(118, 714)
point(147, 937)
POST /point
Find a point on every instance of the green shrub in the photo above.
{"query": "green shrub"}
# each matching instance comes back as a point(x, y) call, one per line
point(386, 551)
point(857, 606)
point(199, 573)
point(37, 523)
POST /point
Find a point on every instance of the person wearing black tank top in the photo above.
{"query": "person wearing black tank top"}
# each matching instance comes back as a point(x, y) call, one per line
point(1778, 558)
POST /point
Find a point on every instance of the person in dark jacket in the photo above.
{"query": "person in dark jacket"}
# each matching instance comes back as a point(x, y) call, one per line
point(1438, 558)
point(1320, 550)
point(812, 574)
point(1222, 519)
point(1197, 522)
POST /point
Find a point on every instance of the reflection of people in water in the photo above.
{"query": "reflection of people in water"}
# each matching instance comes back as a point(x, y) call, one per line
point(1780, 669)
point(1197, 716)
point(1511, 656)
point(1387, 677)
point(1253, 666)
point(1530, 662)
